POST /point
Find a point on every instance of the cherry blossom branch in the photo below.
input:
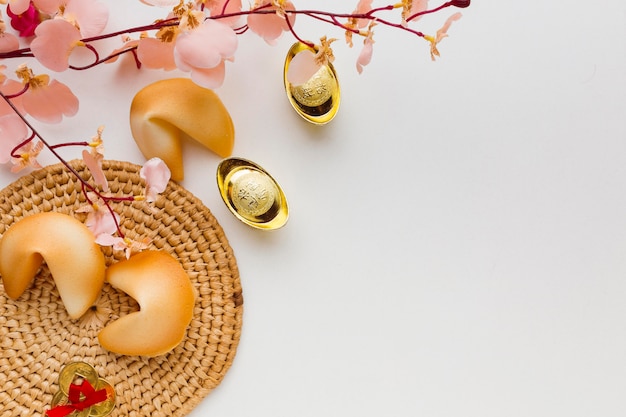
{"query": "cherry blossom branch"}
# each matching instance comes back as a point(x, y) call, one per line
point(68, 144)
point(266, 8)
point(19, 93)
point(120, 242)
point(295, 35)
point(52, 149)
point(14, 153)
point(195, 34)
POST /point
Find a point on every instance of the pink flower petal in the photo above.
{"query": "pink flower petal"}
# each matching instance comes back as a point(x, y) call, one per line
point(102, 223)
point(155, 54)
point(11, 87)
point(210, 78)
point(8, 42)
point(302, 67)
point(157, 175)
point(104, 239)
point(19, 6)
point(365, 56)
point(206, 46)
point(50, 7)
point(443, 31)
point(418, 6)
point(55, 39)
point(50, 103)
point(271, 26)
point(363, 7)
point(90, 15)
point(13, 131)
point(94, 164)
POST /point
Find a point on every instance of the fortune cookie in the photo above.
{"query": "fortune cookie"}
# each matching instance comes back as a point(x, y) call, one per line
point(166, 300)
point(163, 113)
point(67, 246)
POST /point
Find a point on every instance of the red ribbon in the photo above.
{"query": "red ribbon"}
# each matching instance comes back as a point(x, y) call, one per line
point(92, 397)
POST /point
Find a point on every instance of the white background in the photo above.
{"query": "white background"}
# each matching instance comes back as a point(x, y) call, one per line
point(457, 238)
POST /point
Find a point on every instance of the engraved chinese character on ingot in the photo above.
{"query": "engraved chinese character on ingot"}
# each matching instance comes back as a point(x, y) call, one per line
point(254, 194)
point(315, 91)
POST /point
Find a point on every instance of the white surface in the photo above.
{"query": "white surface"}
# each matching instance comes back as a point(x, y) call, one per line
point(457, 238)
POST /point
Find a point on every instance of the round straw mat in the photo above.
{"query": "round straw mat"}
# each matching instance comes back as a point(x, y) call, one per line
point(37, 338)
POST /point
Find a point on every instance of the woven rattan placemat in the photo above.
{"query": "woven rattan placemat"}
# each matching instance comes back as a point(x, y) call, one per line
point(37, 338)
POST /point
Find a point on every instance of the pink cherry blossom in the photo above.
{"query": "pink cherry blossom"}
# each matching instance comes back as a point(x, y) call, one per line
point(100, 219)
point(125, 244)
point(202, 52)
point(207, 45)
point(28, 154)
point(155, 53)
point(49, 101)
point(189, 18)
point(13, 131)
point(157, 175)
point(25, 22)
point(90, 16)
point(54, 42)
point(271, 26)
point(101, 222)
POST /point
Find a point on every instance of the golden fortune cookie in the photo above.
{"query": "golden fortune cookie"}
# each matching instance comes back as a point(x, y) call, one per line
point(66, 245)
point(165, 112)
point(166, 298)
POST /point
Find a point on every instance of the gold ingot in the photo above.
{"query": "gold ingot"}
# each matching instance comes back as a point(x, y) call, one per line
point(252, 194)
point(75, 370)
point(105, 407)
point(316, 100)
